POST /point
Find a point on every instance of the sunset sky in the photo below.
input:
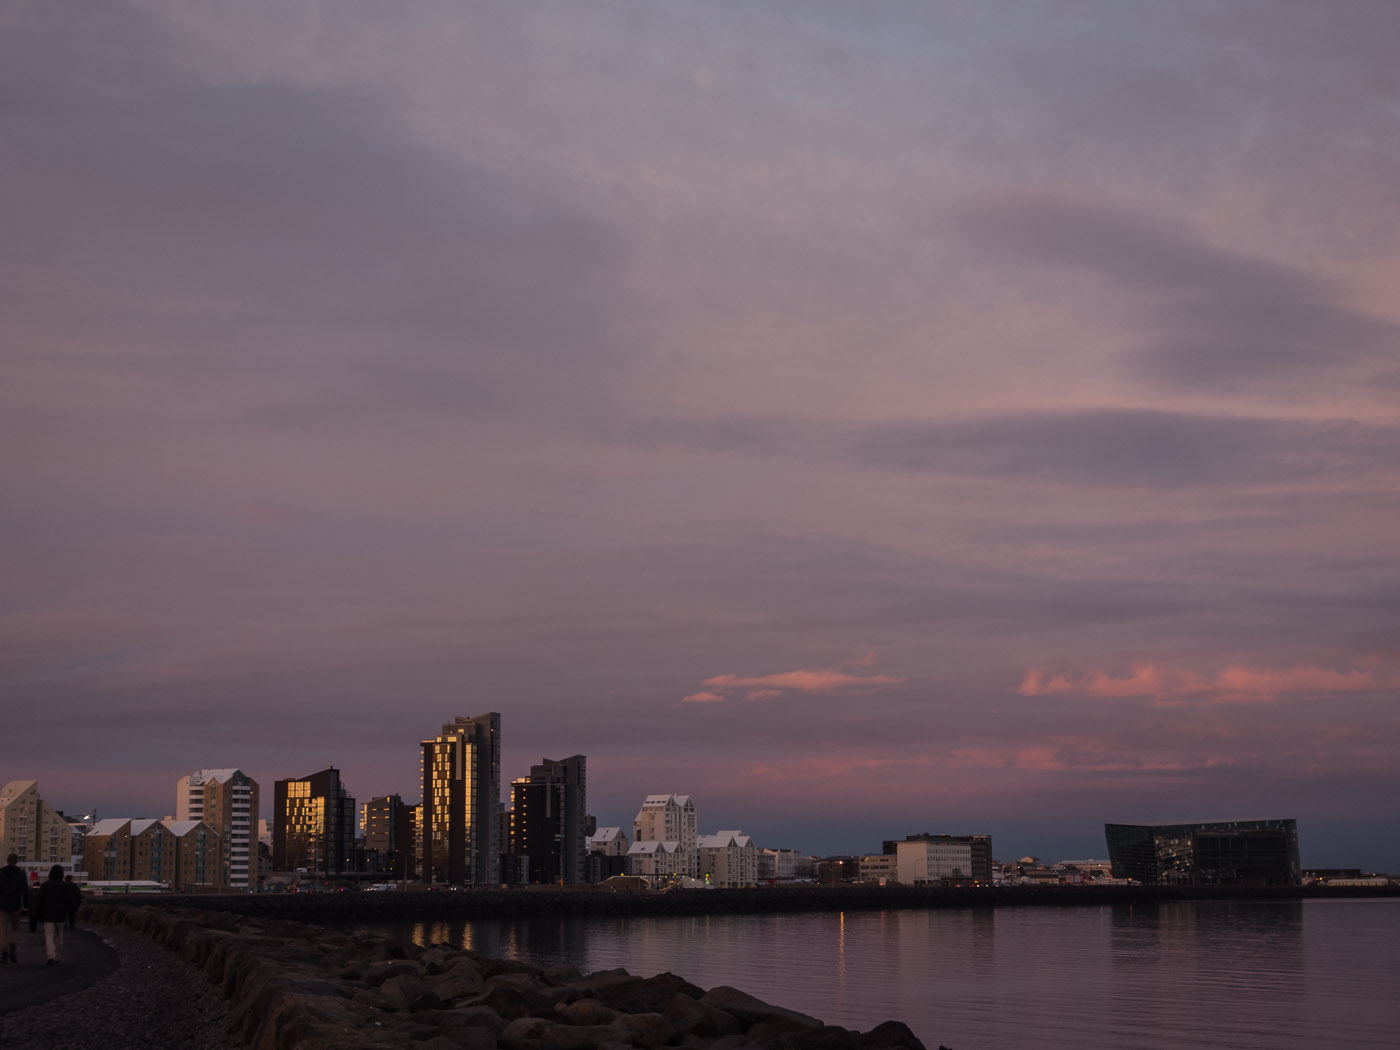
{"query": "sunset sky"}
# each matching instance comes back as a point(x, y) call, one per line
point(866, 418)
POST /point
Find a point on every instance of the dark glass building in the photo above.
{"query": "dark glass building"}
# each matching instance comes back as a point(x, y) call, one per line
point(1218, 852)
point(549, 820)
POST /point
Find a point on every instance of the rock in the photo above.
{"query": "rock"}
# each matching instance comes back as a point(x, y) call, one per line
point(751, 1010)
point(646, 994)
point(645, 1030)
point(894, 1035)
point(410, 993)
point(585, 1012)
point(692, 1017)
point(523, 1032)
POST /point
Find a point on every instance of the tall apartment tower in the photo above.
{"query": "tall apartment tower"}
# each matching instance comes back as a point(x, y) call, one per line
point(670, 818)
point(549, 820)
point(313, 824)
point(32, 829)
point(387, 829)
point(459, 823)
point(227, 801)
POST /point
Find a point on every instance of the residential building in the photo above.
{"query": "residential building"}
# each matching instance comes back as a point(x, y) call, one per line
point(607, 853)
point(313, 825)
point(669, 818)
point(226, 800)
point(657, 860)
point(387, 832)
point(1253, 852)
point(460, 822)
point(728, 859)
point(32, 829)
point(185, 855)
point(549, 818)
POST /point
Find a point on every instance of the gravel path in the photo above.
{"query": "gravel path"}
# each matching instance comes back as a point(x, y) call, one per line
point(154, 1001)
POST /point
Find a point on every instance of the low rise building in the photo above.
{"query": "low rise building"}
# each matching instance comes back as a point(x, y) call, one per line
point(32, 829)
point(728, 859)
point(1212, 852)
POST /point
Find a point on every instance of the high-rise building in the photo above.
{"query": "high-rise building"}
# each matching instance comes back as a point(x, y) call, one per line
point(460, 822)
point(227, 801)
point(387, 831)
point(313, 824)
point(669, 818)
point(1261, 852)
point(32, 829)
point(549, 819)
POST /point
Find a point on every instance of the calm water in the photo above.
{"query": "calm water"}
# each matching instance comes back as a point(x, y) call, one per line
point(1310, 975)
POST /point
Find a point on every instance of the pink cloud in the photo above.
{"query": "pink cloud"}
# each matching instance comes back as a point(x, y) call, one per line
point(1165, 684)
point(770, 686)
point(702, 698)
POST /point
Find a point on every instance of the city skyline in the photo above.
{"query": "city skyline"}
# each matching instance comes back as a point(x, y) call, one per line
point(926, 417)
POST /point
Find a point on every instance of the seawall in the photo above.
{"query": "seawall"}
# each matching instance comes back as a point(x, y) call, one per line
point(296, 986)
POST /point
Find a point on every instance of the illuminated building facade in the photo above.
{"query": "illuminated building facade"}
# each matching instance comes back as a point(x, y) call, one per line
point(313, 825)
point(459, 823)
point(668, 818)
point(32, 829)
point(1241, 852)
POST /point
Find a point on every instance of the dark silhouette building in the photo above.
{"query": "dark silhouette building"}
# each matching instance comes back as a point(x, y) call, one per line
point(1219, 852)
point(313, 825)
point(459, 823)
point(549, 820)
point(387, 828)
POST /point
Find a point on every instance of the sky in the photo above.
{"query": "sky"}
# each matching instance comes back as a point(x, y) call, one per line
point(867, 419)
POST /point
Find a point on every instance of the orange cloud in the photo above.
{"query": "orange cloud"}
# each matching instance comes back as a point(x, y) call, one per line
point(1164, 684)
point(770, 686)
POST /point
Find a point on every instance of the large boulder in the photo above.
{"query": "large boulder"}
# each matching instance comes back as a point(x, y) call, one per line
point(751, 1010)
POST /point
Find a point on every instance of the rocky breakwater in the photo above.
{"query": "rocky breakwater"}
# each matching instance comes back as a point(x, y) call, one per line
point(294, 986)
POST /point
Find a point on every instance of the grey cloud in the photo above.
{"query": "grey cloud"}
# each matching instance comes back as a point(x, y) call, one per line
point(1102, 447)
point(296, 248)
point(1213, 319)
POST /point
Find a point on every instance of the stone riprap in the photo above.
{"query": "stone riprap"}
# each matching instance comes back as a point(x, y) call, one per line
point(295, 986)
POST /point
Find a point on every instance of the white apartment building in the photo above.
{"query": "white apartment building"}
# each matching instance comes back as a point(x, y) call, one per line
point(654, 859)
point(227, 801)
point(728, 859)
point(32, 829)
point(669, 818)
point(610, 842)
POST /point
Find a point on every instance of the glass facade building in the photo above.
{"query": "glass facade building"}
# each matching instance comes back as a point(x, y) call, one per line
point(1220, 852)
point(313, 825)
point(459, 824)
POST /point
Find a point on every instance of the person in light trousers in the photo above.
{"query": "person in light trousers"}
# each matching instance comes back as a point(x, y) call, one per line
point(56, 906)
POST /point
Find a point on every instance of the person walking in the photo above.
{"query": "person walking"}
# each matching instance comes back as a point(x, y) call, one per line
point(55, 905)
point(14, 895)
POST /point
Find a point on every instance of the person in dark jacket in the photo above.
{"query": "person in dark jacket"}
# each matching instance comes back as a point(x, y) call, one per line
point(14, 895)
point(55, 905)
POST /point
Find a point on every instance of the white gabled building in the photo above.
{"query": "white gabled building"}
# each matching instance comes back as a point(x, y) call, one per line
point(669, 818)
point(728, 859)
point(655, 860)
point(610, 842)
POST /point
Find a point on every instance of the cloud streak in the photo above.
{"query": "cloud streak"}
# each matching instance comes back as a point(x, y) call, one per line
point(815, 682)
point(1166, 684)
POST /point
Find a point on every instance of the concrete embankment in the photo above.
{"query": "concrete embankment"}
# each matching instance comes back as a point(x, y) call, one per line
point(296, 986)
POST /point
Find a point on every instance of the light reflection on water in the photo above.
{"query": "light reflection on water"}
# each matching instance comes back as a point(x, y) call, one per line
point(1226, 974)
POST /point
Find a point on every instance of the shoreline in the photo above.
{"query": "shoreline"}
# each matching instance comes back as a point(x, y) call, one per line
point(513, 902)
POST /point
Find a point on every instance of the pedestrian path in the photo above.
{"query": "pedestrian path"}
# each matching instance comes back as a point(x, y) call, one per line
point(87, 958)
